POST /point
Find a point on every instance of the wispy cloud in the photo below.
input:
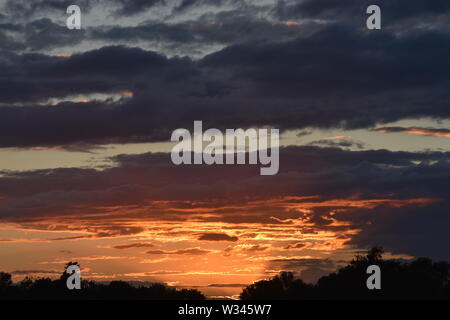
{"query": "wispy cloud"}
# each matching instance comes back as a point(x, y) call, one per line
point(416, 130)
point(188, 251)
point(133, 245)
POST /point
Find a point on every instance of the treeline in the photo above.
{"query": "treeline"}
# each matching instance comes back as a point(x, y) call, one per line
point(420, 278)
point(48, 289)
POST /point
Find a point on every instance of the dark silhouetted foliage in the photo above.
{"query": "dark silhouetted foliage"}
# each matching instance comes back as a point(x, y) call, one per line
point(281, 287)
point(420, 278)
point(46, 288)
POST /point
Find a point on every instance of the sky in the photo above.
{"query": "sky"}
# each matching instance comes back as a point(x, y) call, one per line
point(86, 118)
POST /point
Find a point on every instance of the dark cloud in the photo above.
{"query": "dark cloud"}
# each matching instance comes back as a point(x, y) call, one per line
point(146, 32)
point(395, 13)
point(119, 231)
point(71, 238)
point(106, 230)
point(25, 9)
point(256, 247)
point(417, 230)
point(45, 34)
point(247, 249)
point(272, 71)
point(377, 78)
point(37, 35)
point(185, 5)
point(243, 21)
point(129, 8)
point(406, 195)
point(331, 173)
point(304, 133)
point(224, 29)
point(207, 31)
point(297, 245)
point(310, 270)
point(133, 245)
point(342, 143)
point(188, 251)
point(217, 237)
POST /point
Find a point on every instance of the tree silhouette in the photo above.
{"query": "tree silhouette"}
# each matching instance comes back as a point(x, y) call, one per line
point(64, 276)
point(281, 287)
point(46, 288)
point(5, 280)
point(420, 278)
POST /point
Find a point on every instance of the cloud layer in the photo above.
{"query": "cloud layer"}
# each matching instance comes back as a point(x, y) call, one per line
point(140, 69)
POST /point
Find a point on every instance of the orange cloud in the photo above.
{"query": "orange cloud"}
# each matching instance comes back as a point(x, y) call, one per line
point(416, 130)
point(64, 55)
point(127, 93)
point(290, 23)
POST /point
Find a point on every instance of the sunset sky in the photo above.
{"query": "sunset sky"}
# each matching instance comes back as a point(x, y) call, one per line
point(86, 118)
